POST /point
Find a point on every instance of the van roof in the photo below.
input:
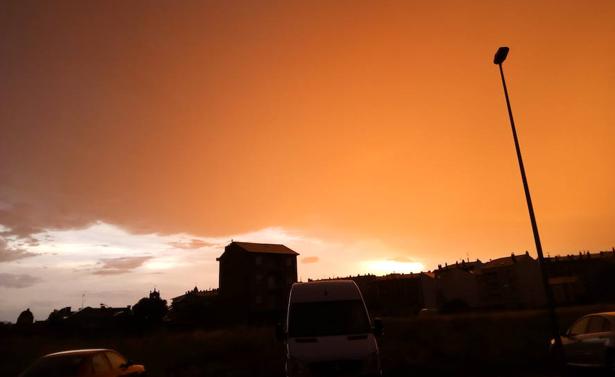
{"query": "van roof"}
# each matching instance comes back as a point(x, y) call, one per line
point(325, 290)
point(85, 351)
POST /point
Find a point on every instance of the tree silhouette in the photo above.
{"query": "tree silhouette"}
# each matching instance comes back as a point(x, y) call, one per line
point(25, 318)
point(150, 309)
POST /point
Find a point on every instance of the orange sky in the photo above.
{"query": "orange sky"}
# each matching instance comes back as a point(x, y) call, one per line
point(343, 121)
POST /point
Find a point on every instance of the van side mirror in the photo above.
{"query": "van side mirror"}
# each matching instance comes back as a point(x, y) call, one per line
point(378, 327)
point(127, 364)
point(280, 334)
point(569, 335)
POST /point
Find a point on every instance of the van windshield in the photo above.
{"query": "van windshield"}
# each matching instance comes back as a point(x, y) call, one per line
point(308, 319)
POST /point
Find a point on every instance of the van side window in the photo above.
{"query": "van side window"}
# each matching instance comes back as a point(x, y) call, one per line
point(579, 326)
point(100, 364)
point(596, 324)
point(116, 360)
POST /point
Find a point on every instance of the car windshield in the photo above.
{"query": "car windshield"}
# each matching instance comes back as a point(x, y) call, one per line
point(57, 366)
point(324, 318)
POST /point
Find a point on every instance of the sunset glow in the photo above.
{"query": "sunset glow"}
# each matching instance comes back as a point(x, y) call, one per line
point(383, 267)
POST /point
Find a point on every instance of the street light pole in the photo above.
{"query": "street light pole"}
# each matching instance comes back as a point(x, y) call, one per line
point(499, 58)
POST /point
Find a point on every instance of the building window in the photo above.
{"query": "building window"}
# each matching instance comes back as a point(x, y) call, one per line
point(271, 282)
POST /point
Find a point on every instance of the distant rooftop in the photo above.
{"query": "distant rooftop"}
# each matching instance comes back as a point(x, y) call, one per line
point(582, 255)
point(196, 293)
point(398, 276)
point(508, 261)
point(467, 266)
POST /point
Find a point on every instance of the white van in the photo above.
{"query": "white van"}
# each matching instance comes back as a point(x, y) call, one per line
point(328, 331)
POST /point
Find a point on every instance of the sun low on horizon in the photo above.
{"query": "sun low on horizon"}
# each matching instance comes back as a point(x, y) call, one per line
point(388, 266)
point(138, 139)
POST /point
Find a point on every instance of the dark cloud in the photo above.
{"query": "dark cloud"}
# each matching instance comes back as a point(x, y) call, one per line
point(121, 265)
point(25, 220)
point(9, 253)
point(17, 280)
point(192, 244)
point(310, 260)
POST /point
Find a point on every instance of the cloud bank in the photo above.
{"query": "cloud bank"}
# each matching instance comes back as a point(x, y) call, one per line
point(120, 265)
point(9, 280)
point(9, 253)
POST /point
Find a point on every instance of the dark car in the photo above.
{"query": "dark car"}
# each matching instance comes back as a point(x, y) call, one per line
point(82, 363)
point(590, 341)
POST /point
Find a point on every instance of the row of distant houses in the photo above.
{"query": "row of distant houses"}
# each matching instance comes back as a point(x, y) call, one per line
point(515, 281)
point(255, 279)
point(83, 319)
point(512, 282)
point(147, 312)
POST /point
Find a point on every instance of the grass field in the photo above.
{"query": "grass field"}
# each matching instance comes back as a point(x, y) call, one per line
point(468, 344)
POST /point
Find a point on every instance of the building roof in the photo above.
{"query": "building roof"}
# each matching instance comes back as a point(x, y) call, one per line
point(397, 276)
point(265, 248)
point(89, 313)
point(463, 265)
point(195, 293)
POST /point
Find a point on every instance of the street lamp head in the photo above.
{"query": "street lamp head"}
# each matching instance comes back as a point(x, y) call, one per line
point(500, 55)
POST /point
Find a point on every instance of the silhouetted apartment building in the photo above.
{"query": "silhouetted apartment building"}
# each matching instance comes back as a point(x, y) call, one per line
point(195, 306)
point(457, 285)
point(402, 293)
point(193, 295)
point(256, 277)
point(582, 278)
point(512, 282)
